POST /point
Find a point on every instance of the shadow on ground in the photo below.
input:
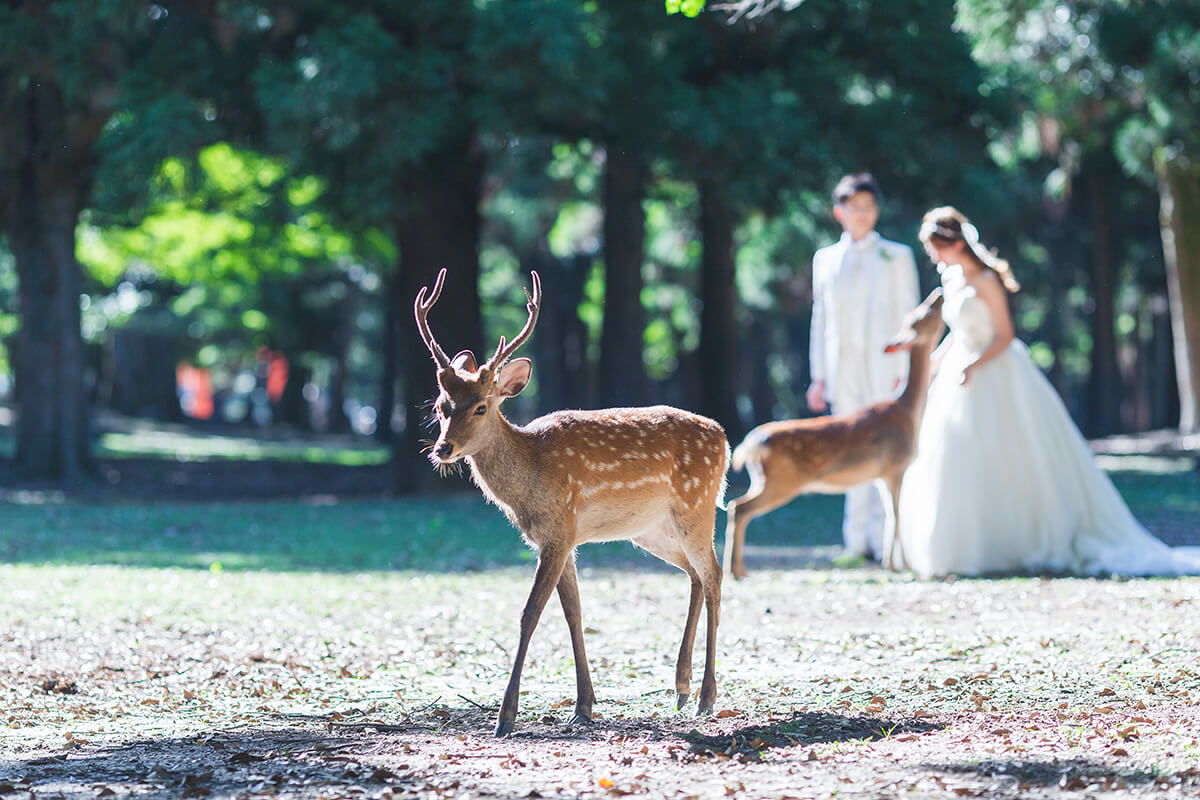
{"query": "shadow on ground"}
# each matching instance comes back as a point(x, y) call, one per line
point(1071, 774)
point(309, 755)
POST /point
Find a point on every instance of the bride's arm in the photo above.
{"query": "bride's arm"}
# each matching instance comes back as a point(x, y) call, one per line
point(994, 296)
point(939, 353)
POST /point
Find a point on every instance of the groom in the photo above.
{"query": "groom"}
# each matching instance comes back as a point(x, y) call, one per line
point(863, 286)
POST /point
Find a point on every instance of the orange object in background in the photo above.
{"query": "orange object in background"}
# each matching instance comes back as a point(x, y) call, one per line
point(277, 375)
point(194, 386)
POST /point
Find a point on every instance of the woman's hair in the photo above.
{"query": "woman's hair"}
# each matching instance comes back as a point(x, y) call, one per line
point(947, 225)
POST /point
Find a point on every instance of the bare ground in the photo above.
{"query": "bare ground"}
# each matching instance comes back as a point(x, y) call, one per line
point(167, 683)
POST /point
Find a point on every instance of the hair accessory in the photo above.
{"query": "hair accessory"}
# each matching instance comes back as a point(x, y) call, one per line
point(970, 234)
point(931, 228)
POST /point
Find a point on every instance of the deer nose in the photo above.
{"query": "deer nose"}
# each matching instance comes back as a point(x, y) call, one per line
point(444, 450)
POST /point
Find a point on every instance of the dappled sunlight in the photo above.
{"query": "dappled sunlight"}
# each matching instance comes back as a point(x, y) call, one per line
point(160, 682)
point(1147, 464)
point(193, 446)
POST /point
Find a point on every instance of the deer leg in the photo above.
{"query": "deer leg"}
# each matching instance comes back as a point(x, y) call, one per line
point(568, 596)
point(760, 499)
point(549, 568)
point(664, 544)
point(683, 664)
point(707, 570)
point(891, 524)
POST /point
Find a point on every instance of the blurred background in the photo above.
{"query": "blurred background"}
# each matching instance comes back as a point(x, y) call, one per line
point(214, 216)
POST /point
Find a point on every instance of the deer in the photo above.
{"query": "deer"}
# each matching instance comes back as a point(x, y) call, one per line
point(833, 453)
point(654, 476)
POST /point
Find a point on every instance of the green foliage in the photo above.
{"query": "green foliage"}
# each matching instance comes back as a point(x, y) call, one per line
point(689, 8)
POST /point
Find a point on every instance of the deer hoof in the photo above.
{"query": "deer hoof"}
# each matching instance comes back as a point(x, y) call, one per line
point(681, 700)
point(581, 719)
point(503, 728)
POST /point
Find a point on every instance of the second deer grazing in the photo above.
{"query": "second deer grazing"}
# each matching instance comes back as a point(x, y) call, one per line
point(654, 476)
point(831, 454)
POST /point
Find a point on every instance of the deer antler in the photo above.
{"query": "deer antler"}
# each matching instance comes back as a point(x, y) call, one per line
point(505, 350)
point(421, 311)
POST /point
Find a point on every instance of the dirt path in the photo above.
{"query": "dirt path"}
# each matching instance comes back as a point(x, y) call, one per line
point(165, 683)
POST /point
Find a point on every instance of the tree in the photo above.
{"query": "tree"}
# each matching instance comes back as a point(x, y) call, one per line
point(1124, 86)
point(755, 119)
point(254, 261)
point(1160, 44)
point(392, 104)
point(67, 69)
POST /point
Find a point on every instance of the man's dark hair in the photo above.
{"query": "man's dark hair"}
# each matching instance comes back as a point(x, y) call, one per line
point(851, 185)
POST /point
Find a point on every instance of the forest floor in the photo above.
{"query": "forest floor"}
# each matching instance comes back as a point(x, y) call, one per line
point(358, 648)
point(833, 681)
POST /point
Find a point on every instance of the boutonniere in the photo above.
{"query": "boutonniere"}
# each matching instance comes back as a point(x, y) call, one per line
point(885, 254)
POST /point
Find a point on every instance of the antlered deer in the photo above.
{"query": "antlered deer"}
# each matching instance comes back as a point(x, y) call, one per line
point(831, 454)
point(654, 476)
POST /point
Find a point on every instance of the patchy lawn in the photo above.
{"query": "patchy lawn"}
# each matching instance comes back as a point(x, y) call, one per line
point(360, 650)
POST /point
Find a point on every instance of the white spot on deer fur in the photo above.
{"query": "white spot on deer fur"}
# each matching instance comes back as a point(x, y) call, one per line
point(707, 461)
point(570, 451)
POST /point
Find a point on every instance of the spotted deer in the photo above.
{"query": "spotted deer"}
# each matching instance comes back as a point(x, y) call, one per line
point(654, 476)
point(832, 454)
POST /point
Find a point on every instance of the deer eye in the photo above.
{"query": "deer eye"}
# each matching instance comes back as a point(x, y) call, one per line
point(480, 409)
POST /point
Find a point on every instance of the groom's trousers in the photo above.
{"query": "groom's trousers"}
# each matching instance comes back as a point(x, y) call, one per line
point(863, 524)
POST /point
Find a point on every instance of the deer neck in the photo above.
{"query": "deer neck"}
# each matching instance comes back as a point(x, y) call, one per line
point(503, 466)
point(917, 388)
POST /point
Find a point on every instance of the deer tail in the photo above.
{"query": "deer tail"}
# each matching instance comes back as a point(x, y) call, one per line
point(748, 450)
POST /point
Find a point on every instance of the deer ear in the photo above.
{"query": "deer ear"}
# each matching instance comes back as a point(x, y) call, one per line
point(448, 379)
point(513, 377)
point(464, 361)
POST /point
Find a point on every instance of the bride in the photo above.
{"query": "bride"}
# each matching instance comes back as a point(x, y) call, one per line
point(1003, 481)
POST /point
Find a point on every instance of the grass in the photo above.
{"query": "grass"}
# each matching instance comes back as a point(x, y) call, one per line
point(188, 446)
point(444, 534)
point(125, 437)
point(233, 649)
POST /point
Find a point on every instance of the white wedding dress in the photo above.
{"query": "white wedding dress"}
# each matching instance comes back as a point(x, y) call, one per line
point(1003, 481)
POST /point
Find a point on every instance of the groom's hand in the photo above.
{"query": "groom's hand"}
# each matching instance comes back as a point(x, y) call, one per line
point(816, 396)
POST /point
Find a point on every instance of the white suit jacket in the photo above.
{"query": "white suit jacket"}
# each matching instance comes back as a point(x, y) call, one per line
point(890, 290)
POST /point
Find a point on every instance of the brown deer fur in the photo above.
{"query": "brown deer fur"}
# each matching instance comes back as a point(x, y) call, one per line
point(832, 454)
point(654, 476)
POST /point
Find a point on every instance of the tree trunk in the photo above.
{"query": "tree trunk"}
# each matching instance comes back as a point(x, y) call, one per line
point(143, 374)
point(622, 375)
point(1061, 277)
point(393, 317)
point(441, 229)
point(1179, 190)
point(718, 397)
point(339, 379)
point(292, 407)
point(560, 348)
point(1104, 379)
point(48, 177)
